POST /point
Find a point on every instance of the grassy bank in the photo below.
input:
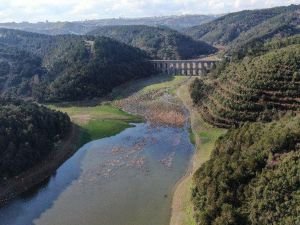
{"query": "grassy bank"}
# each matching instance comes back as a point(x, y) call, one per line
point(99, 121)
point(170, 84)
point(204, 137)
point(162, 82)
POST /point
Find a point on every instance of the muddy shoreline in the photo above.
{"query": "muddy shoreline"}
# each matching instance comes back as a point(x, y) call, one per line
point(182, 206)
point(42, 171)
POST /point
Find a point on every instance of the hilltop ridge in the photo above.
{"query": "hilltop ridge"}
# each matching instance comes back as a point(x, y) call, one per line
point(158, 42)
point(242, 27)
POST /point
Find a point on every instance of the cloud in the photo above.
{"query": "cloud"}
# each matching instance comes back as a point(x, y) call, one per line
point(62, 10)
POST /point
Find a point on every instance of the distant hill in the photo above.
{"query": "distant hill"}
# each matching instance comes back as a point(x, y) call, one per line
point(283, 25)
point(83, 27)
point(160, 43)
point(65, 67)
point(241, 27)
point(50, 28)
point(261, 86)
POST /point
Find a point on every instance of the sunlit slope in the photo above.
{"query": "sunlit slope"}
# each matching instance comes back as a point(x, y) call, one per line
point(241, 27)
point(256, 88)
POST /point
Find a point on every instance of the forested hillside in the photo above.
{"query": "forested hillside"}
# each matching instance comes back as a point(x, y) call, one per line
point(283, 25)
point(245, 26)
point(158, 42)
point(262, 85)
point(252, 177)
point(66, 67)
point(27, 134)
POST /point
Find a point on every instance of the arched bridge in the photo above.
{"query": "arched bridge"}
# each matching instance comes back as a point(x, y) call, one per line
point(184, 67)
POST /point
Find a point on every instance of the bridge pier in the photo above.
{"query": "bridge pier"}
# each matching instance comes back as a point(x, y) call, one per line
point(184, 67)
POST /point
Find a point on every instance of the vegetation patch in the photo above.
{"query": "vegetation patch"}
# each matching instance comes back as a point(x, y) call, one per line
point(97, 129)
point(98, 121)
point(171, 85)
point(192, 136)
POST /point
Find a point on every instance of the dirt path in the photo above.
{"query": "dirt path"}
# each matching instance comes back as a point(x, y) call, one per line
point(182, 208)
point(42, 171)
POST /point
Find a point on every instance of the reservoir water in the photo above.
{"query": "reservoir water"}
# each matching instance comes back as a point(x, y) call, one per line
point(127, 179)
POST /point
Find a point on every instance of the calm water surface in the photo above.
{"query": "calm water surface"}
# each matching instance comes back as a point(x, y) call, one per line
point(126, 179)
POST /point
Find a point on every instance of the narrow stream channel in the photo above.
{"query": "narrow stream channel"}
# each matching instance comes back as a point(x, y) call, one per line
point(127, 179)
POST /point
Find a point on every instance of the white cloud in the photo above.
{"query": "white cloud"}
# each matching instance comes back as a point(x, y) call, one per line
point(237, 4)
point(54, 10)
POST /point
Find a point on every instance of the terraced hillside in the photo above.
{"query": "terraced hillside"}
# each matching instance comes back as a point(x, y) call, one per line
point(256, 88)
point(158, 42)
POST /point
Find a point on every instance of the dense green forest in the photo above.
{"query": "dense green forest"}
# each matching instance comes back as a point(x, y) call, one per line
point(158, 42)
point(252, 177)
point(66, 67)
point(27, 134)
point(242, 27)
point(262, 85)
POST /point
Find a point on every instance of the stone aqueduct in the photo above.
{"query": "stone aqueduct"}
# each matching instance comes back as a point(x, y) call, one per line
point(184, 67)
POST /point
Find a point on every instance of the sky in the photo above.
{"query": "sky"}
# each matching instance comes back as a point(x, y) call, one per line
point(74, 10)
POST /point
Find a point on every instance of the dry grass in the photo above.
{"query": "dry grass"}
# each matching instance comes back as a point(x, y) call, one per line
point(171, 117)
point(156, 102)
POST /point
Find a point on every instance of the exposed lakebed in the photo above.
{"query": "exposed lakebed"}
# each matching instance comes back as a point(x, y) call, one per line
point(127, 179)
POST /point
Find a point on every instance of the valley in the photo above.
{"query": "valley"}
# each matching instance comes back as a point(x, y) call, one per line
point(176, 120)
